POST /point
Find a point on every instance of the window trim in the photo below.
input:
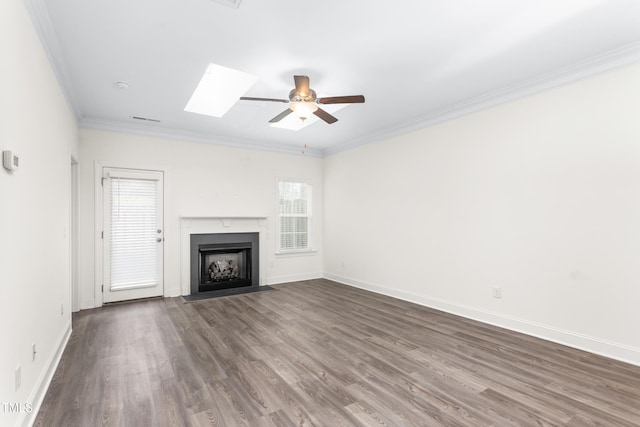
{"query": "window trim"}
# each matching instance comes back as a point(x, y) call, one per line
point(310, 222)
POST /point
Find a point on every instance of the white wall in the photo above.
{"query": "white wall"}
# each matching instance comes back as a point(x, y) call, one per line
point(36, 122)
point(540, 197)
point(200, 180)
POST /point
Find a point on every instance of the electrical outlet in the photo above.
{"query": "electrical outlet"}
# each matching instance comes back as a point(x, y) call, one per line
point(33, 351)
point(18, 377)
point(497, 292)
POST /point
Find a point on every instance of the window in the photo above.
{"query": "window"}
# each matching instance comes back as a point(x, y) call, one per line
point(295, 216)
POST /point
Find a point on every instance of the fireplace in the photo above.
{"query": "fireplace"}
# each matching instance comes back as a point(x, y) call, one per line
point(223, 262)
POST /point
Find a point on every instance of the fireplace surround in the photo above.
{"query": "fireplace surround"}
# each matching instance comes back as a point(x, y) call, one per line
point(224, 262)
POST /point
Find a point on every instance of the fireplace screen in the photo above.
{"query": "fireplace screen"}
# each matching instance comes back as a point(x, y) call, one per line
point(224, 261)
point(228, 266)
point(222, 268)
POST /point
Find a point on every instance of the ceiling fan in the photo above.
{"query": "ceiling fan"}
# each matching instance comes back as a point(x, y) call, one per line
point(303, 101)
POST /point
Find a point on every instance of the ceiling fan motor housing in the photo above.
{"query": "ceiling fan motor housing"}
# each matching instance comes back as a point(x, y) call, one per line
point(294, 96)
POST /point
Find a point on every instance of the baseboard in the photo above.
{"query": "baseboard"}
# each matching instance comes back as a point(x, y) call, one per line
point(44, 380)
point(172, 292)
point(274, 280)
point(617, 351)
point(87, 304)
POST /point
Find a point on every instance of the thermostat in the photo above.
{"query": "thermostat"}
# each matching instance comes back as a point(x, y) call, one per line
point(10, 160)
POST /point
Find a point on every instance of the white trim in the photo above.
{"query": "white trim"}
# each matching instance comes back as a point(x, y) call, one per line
point(227, 220)
point(613, 350)
point(39, 14)
point(606, 61)
point(39, 391)
point(165, 132)
point(97, 235)
point(127, 174)
point(274, 280)
point(74, 298)
point(284, 254)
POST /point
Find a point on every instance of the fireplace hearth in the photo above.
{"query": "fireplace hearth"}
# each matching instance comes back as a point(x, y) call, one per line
point(221, 262)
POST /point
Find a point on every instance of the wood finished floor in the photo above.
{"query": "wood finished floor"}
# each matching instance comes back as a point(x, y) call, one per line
point(320, 353)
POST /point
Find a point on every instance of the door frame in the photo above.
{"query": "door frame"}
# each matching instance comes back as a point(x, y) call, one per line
point(99, 218)
point(74, 300)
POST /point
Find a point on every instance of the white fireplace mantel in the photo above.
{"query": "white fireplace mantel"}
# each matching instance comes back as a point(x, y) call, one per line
point(219, 224)
point(227, 220)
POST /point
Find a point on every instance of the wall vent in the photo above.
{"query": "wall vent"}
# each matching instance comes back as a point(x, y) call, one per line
point(147, 119)
point(229, 3)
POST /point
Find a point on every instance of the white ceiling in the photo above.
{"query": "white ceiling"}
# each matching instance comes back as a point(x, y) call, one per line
point(417, 62)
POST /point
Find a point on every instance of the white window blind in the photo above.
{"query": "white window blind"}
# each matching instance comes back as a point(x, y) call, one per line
point(134, 210)
point(295, 216)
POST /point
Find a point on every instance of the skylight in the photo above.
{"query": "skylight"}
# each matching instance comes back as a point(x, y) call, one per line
point(219, 89)
point(292, 122)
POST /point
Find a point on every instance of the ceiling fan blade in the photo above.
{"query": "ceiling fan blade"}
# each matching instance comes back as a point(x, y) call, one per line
point(302, 85)
point(353, 99)
point(325, 116)
point(281, 116)
point(250, 98)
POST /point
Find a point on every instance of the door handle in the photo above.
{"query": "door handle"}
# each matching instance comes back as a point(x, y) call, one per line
point(159, 239)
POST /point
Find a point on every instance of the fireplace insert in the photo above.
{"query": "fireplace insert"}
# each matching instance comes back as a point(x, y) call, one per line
point(224, 266)
point(221, 261)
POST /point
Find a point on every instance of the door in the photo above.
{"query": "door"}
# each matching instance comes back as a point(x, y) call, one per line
point(132, 234)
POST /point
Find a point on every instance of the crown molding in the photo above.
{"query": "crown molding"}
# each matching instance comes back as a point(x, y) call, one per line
point(39, 14)
point(600, 63)
point(607, 61)
point(170, 133)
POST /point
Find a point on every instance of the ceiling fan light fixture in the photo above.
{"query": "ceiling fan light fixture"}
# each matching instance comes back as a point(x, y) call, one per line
point(304, 109)
point(302, 101)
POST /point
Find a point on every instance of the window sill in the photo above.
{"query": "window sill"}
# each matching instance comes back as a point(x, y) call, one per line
point(296, 253)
